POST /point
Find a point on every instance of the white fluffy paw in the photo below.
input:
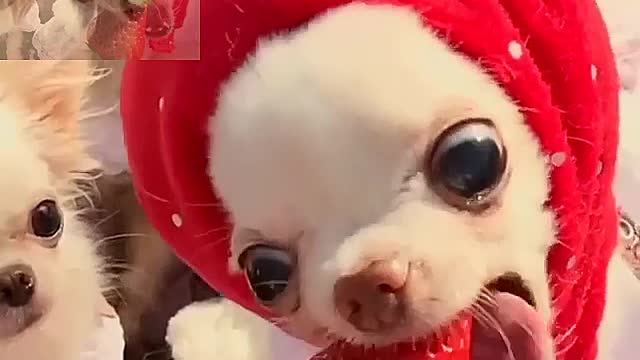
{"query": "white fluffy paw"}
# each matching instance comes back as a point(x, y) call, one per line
point(212, 330)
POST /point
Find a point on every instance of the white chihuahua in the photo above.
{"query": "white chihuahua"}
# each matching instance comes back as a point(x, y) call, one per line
point(50, 279)
point(371, 240)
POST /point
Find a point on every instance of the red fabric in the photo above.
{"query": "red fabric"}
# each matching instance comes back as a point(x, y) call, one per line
point(571, 111)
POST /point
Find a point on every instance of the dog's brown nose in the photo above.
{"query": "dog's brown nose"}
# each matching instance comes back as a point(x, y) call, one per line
point(17, 285)
point(372, 300)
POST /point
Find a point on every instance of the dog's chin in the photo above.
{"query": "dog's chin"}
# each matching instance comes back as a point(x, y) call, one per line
point(506, 325)
point(15, 322)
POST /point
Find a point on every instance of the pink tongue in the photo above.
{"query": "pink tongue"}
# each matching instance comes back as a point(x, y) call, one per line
point(515, 332)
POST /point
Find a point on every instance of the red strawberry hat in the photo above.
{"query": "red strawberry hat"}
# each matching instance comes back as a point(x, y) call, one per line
point(552, 57)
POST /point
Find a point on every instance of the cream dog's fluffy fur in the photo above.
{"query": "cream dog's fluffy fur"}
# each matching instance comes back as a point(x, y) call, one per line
point(43, 158)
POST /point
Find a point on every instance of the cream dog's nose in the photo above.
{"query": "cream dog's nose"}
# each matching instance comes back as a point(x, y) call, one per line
point(372, 300)
point(17, 285)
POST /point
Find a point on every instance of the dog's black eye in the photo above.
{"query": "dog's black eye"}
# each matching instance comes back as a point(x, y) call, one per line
point(467, 162)
point(46, 221)
point(268, 271)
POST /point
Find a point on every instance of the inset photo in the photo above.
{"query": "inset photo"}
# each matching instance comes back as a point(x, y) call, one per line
point(99, 29)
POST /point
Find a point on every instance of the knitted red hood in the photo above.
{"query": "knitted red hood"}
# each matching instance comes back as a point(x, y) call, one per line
point(551, 56)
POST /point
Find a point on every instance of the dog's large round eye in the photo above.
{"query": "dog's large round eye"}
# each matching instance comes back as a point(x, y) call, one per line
point(467, 162)
point(268, 270)
point(46, 222)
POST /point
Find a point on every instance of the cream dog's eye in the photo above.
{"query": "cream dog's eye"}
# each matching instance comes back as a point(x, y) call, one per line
point(268, 271)
point(467, 163)
point(46, 222)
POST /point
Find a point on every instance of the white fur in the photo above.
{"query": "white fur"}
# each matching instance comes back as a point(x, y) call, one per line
point(314, 134)
point(194, 332)
point(33, 169)
point(222, 329)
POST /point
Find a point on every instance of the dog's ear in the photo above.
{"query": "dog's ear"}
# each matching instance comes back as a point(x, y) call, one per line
point(55, 90)
point(53, 94)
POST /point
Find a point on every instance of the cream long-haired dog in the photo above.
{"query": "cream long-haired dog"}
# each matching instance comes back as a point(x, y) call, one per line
point(50, 277)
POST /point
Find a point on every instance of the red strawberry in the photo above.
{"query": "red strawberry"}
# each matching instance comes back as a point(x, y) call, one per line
point(118, 36)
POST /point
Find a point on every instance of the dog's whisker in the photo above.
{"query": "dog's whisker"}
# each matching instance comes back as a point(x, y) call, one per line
point(271, 282)
point(121, 236)
point(107, 218)
point(212, 231)
point(494, 324)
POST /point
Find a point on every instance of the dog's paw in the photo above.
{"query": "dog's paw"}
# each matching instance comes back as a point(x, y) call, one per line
point(211, 330)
